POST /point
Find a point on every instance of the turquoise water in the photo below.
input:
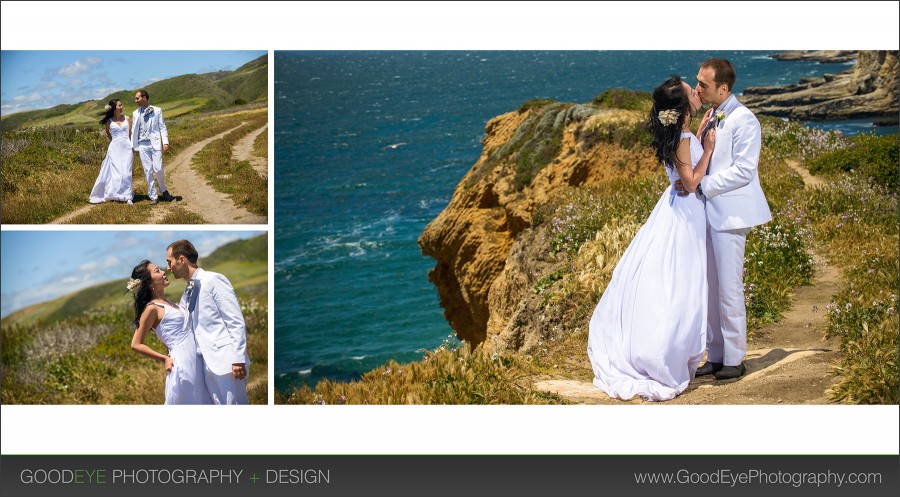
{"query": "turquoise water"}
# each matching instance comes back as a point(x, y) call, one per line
point(369, 147)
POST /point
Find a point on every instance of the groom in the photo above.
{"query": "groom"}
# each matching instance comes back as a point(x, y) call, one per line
point(150, 139)
point(217, 323)
point(734, 203)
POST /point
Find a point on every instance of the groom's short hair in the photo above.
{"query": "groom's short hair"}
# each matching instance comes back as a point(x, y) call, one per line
point(724, 71)
point(185, 248)
point(144, 93)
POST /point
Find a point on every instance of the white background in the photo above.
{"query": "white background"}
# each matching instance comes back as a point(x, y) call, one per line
point(625, 429)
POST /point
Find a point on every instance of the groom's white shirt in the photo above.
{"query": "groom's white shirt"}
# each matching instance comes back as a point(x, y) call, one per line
point(217, 321)
point(734, 197)
point(155, 126)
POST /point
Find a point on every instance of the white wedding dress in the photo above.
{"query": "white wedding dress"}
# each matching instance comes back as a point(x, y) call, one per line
point(185, 384)
point(114, 181)
point(648, 333)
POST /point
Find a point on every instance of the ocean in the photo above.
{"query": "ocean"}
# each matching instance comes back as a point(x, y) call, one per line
point(369, 147)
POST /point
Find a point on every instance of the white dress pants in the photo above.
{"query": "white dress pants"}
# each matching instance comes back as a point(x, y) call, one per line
point(726, 338)
point(225, 389)
point(151, 159)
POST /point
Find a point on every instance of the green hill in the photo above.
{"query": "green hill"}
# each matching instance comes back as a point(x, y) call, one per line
point(244, 262)
point(180, 95)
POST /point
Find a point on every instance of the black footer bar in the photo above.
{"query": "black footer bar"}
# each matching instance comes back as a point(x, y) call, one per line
point(446, 475)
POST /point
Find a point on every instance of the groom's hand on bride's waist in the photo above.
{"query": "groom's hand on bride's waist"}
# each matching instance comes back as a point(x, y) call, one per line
point(680, 190)
point(239, 371)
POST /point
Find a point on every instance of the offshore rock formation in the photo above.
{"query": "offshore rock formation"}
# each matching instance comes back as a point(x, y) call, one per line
point(869, 89)
point(831, 56)
point(527, 156)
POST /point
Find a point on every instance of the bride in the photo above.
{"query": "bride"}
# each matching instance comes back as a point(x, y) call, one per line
point(648, 333)
point(185, 383)
point(114, 180)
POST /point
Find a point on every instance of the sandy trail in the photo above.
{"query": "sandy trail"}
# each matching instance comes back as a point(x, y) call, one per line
point(243, 151)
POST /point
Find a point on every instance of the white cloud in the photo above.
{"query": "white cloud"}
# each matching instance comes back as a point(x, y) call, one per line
point(27, 98)
point(78, 67)
point(109, 261)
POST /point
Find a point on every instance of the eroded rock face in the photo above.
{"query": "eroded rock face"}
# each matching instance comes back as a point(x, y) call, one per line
point(527, 156)
point(869, 89)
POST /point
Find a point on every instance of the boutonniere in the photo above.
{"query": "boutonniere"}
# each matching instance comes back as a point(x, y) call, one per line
point(720, 115)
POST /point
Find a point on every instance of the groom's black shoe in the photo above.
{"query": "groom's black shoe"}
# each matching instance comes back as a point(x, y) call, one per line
point(166, 197)
point(730, 372)
point(708, 368)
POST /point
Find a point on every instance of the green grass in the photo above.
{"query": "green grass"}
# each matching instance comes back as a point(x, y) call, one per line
point(76, 349)
point(237, 179)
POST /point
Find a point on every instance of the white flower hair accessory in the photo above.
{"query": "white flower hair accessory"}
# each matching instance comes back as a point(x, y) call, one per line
point(107, 108)
point(668, 117)
point(133, 285)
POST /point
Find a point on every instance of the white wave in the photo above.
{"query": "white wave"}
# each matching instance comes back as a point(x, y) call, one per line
point(395, 145)
point(358, 357)
point(304, 372)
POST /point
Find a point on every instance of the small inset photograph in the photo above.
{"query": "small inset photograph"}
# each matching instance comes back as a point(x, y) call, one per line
point(134, 317)
point(134, 137)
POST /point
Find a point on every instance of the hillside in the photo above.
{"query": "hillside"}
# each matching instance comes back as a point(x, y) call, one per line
point(177, 96)
point(244, 262)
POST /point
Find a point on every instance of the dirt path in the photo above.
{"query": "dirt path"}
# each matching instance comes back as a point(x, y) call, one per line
point(243, 150)
point(787, 363)
point(214, 207)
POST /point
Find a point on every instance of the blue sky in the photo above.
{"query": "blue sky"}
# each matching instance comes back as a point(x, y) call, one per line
point(42, 265)
point(39, 79)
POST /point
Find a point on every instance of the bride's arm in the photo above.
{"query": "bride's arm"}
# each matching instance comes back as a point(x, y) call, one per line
point(691, 176)
point(108, 134)
point(149, 319)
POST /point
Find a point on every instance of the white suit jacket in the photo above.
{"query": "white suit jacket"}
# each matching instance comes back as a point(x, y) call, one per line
point(159, 135)
point(217, 321)
point(734, 197)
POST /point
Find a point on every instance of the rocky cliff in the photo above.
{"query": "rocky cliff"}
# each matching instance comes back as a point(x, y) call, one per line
point(528, 155)
point(869, 89)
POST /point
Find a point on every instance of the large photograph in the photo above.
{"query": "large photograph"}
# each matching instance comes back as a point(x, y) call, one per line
point(134, 317)
point(468, 227)
point(135, 137)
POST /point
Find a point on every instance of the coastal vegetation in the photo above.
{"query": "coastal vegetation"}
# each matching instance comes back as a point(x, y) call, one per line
point(76, 349)
point(578, 232)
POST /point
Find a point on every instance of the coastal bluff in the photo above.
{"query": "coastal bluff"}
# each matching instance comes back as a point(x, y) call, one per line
point(488, 258)
point(867, 90)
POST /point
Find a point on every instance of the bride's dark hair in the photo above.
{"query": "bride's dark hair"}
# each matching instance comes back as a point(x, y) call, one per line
point(142, 296)
point(110, 112)
point(664, 139)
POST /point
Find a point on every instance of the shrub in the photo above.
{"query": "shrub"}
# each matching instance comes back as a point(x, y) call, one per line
point(619, 98)
point(872, 156)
